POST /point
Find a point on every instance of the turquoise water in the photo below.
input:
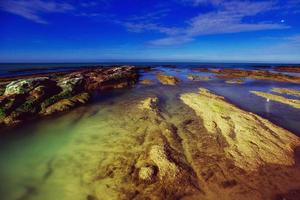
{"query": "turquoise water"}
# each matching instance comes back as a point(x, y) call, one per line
point(69, 156)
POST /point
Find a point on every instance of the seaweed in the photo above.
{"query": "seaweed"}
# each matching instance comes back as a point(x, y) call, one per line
point(56, 98)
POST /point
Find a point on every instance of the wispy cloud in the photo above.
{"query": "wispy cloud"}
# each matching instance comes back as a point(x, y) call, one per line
point(34, 9)
point(226, 17)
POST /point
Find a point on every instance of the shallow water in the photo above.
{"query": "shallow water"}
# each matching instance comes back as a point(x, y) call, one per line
point(60, 157)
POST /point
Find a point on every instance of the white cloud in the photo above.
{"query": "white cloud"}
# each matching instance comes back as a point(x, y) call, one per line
point(228, 17)
point(32, 9)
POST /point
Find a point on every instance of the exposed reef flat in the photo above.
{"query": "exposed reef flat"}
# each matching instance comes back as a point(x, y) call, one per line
point(249, 139)
point(254, 74)
point(286, 91)
point(29, 97)
point(216, 150)
point(272, 97)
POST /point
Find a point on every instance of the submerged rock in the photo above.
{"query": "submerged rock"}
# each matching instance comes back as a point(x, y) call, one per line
point(237, 81)
point(149, 104)
point(291, 102)
point(146, 173)
point(167, 80)
point(198, 78)
point(166, 168)
point(146, 82)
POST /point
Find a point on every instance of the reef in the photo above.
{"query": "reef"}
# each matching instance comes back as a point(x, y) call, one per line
point(28, 97)
point(254, 74)
point(277, 98)
point(292, 69)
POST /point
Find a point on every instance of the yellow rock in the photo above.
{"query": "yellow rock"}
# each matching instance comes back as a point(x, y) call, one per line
point(251, 140)
point(291, 102)
point(167, 80)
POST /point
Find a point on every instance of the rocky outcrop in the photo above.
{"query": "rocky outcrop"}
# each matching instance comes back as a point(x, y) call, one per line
point(167, 80)
point(292, 69)
point(254, 74)
point(251, 141)
point(286, 91)
point(26, 85)
point(29, 98)
point(272, 97)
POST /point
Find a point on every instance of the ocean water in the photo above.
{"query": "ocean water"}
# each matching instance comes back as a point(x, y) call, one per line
point(68, 156)
point(13, 69)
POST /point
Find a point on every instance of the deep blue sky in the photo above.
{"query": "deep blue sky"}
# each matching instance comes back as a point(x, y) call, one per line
point(145, 30)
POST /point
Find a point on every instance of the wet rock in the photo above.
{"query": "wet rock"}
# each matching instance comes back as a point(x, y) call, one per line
point(146, 173)
point(287, 91)
point(74, 84)
point(167, 80)
point(58, 92)
point(249, 140)
point(198, 78)
point(149, 104)
point(292, 69)
point(166, 168)
point(272, 97)
point(117, 77)
point(24, 86)
point(66, 104)
point(146, 82)
point(254, 74)
point(236, 81)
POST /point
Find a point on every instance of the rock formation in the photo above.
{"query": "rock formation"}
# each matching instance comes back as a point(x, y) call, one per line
point(198, 78)
point(272, 97)
point(167, 80)
point(286, 91)
point(250, 140)
point(28, 98)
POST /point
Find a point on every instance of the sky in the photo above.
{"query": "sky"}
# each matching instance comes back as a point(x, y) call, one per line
point(150, 30)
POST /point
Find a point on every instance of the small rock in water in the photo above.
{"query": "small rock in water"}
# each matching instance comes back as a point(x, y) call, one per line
point(198, 78)
point(167, 80)
point(146, 82)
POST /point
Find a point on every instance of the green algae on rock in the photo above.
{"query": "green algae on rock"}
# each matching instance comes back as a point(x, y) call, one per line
point(277, 98)
point(34, 96)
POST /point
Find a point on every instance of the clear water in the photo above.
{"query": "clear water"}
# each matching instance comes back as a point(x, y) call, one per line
point(60, 157)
